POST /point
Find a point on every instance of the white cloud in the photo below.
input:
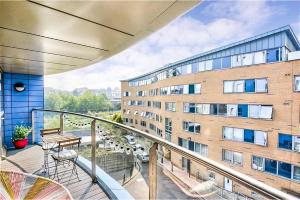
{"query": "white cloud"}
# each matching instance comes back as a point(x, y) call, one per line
point(184, 37)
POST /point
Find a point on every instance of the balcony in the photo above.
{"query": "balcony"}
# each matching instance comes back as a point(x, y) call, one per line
point(110, 167)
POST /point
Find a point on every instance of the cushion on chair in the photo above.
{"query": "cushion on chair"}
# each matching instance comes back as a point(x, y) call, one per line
point(65, 155)
point(48, 146)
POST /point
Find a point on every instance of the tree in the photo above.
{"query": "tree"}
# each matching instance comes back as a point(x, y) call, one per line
point(88, 101)
point(117, 118)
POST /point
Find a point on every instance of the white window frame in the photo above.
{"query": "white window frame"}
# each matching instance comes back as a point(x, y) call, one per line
point(239, 86)
point(197, 88)
point(296, 86)
point(256, 137)
point(232, 110)
point(228, 86)
point(258, 90)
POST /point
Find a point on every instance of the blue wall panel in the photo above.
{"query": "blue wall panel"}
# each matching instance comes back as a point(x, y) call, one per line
point(18, 105)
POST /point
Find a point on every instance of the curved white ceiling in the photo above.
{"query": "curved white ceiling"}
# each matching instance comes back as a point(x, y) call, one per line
point(48, 37)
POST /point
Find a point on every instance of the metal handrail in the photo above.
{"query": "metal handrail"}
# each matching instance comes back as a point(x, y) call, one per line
point(247, 181)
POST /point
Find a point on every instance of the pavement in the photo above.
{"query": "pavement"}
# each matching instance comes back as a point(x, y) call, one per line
point(188, 184)
point(166, 188)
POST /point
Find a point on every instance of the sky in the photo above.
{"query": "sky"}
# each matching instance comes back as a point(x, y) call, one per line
point(209, 25)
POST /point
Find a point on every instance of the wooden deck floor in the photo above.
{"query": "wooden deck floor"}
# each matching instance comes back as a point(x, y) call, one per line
point(30, 160)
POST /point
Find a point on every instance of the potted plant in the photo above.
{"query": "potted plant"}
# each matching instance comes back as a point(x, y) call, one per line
point(21, 133)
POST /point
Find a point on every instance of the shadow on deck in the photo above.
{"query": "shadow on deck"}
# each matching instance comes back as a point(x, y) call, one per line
point(30, 160)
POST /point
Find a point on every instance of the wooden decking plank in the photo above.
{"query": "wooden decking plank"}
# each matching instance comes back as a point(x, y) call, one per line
point(30, 160)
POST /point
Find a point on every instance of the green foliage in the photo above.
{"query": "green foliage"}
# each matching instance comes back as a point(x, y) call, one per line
point(88, 101)
point(21, 132)
point(117, 118)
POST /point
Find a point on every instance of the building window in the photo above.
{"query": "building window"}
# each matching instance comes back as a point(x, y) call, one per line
point(247, 59)
point(247, 86)
point(143, 123)
point(152, 127)
point(189, 107)
point(273, 55)
point(242, 110)
point(170, 106)
point(197, 88)
point(195, 67)
point(141, 93)
point(191, 145)
point(284, 169)
point(296, 174)
point(232, 157)
point(261, 85)
point(271, 166)
point(285, 141)
point(158, 132)
point(245, 135)
point(259, 111)
point(238, 86)
point(222, 109)
point(232, 110)
point(156, 104)
point(279, 168)
point(191, 127)
point(250, 85)
point(297, 83)
point(217, 63)
point(126, 94)
point(259, 57)
point(249, 135)
point(214, 109)
point(168, 128)
point(202, 149)
point(258, 163)
point(289, 142)
point(226, 62)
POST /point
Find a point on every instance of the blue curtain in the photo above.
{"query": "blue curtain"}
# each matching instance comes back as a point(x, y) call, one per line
point(284, 169)
point(195, 67)
point(226, 62)
point(271, 166)
point(250, 85)
point(180, 141)
point(191, 129)
point(249, 135)
point(273, 55)
point(243, 110)
point(191, 145)
point(285, 141)
point(213, 109)
point(192, 108)
point(217, 63)
point(191, 89)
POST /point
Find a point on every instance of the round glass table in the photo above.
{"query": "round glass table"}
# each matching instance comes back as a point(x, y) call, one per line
point(19, 186)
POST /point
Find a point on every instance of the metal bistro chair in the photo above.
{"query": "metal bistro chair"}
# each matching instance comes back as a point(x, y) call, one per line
point(66, 153)
point(49, 148)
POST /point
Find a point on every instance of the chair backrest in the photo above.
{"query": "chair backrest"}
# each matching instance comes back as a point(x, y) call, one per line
point(69, 143)
point(50, 131)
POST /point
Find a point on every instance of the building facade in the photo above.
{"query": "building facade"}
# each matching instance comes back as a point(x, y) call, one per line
point(238, 105)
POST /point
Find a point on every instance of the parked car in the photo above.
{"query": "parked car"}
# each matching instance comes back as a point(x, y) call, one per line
point(144, 157)
point(130, 139)
point(137, 149)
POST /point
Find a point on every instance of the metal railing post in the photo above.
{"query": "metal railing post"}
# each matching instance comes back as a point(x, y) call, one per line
point(93, 159)
point(32, 126)
point(153, 172)
point(61, 123)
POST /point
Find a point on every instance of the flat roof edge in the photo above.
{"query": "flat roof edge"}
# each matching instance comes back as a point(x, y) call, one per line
point(286, 28)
